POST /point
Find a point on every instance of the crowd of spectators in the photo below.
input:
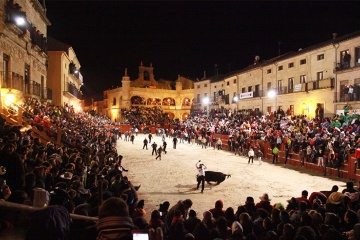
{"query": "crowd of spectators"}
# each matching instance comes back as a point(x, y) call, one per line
point(85, 176)
point(140, 115)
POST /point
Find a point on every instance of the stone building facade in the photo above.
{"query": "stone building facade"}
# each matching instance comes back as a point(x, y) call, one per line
point(64, 74)
point(174, 97)
point(23, 51)
point(300, 81)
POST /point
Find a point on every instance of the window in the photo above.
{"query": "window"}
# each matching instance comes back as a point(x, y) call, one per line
point(250, 89)
point(345, 59)
point(198, 86)
point(257, 90)
point(302, 61)
point(234, 81)
point(290, 85)
point(268, 71)
point(280, 68)
point(227, 99)
point(357, 56)
point(279, 86)
point(227, 83)
point(114, 101)
point(27, 78)
point(302, 78)
point(146, 76)
point(215, 86)
point(268, 85)
point(6, 70)
point(320, 57)
point(205, 85)
point(291, 65)
point(319, 76)
point(243, 90)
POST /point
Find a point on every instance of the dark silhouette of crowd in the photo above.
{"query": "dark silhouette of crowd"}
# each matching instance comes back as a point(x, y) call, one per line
point(140, 115)
point(85, 176)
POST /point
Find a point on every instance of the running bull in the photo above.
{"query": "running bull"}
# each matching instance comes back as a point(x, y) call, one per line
point(217, 177)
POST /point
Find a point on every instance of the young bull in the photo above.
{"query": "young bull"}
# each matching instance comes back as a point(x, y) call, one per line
point(218, 177)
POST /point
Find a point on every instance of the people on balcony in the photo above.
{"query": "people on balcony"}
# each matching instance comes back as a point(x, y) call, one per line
point(347, 59)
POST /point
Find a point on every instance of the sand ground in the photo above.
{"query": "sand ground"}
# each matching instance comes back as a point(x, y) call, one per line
point(173, 178)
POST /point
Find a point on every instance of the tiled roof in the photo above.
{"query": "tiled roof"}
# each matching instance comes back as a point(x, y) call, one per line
point(55, 45)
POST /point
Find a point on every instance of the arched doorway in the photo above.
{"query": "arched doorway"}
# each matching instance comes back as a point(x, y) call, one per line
point(168, 102)
point(171, 115)
point(137, 100)
point(185, 116)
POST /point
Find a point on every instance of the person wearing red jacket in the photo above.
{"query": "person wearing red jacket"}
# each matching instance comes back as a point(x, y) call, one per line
point(218, 211)
point(357, 156)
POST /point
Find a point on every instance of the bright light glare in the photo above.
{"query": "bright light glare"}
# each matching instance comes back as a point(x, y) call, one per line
point(20, 21)
point(206, 100)
point(236, 98)
point(78, 108)
point(271, 94)
point(9, 99)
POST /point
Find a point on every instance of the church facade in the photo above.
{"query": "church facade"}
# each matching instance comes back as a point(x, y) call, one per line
point(174, 97)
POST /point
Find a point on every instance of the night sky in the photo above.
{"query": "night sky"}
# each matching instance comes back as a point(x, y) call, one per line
point(186, 38)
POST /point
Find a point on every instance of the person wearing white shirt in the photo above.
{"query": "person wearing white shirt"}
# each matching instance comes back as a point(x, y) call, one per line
point(251, 155)
point(201, 175)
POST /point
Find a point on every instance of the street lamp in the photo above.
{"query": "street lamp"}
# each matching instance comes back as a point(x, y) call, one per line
point(235, 100)
point(206, 101)
point(272, 94)
point(305, 109)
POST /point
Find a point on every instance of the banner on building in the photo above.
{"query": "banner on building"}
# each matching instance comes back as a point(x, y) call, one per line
point(298, 87)
point(246, 95)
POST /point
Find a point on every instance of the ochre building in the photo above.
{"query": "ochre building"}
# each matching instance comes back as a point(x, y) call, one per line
point(174, 97)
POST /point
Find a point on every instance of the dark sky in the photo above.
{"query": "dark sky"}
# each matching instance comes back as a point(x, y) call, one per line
point(185, 37)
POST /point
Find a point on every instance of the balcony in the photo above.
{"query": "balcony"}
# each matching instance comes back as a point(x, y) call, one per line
point(33, 88)
point(320, 84)
point(344, 67)
point(72, 90)
point(12, 80)
point(46, 93)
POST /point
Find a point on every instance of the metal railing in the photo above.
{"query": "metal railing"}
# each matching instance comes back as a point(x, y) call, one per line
point(32, 88)
point(346, 97)
point(12, 80)
point(74, 91)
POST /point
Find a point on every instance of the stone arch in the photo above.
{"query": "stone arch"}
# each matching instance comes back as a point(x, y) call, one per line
point(184, 116)
point(168, 102)
point(153, 101)
point(171, 115)
point(137, 100)
point(186, 102)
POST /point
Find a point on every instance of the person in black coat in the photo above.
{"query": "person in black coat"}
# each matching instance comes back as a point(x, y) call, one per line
point(145, 144)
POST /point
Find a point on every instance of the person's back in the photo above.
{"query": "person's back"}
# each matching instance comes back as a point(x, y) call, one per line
point(114, 220)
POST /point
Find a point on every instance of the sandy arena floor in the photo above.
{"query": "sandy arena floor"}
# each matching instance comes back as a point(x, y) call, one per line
point(174, 177)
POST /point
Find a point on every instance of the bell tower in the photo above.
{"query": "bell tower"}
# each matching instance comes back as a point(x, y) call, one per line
point(125, 91)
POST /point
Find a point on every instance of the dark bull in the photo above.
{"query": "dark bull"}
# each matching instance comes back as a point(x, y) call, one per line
point(217, 177)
